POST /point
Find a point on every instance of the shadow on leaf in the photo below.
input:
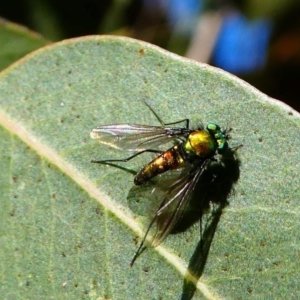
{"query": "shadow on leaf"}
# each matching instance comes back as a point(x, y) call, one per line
point(214, 188)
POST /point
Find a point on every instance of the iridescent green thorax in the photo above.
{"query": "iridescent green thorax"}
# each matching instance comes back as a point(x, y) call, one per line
point(219, 136)
point(200, 143)
point(205, 143)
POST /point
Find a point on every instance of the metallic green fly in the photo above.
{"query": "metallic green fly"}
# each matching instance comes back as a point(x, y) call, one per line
point(187, 159)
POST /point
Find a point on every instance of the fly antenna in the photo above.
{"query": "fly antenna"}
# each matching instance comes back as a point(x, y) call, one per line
point(227, 131)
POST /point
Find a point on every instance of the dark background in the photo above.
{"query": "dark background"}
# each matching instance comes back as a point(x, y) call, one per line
point(160, 22)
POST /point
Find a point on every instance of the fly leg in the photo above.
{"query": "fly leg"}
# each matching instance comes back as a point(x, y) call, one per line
point(125, 159)
point(187, 121)
point(142, 246)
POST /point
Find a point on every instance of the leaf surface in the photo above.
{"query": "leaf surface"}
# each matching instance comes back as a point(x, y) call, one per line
point(66, 230)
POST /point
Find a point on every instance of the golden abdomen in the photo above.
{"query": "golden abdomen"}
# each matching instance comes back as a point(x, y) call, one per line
point(168, 160)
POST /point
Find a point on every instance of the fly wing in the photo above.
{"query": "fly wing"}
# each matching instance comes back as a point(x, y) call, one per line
point(166, 198)
point(146, 199)
point(134, 137)
point(174, 202)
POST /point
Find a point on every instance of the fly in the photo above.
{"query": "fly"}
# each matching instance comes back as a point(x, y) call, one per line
point(192, 151)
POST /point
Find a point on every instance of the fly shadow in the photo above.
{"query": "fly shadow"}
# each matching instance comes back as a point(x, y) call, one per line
point(210, 198)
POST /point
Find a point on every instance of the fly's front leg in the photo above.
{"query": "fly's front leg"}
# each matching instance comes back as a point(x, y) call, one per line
point(125, 159)
point(187, 121)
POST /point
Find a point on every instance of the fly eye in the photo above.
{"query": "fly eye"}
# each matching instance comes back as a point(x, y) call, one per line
point(212, 127)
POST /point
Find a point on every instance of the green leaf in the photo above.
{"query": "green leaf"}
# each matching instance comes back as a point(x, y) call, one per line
point(16, 41)
point(66, 230)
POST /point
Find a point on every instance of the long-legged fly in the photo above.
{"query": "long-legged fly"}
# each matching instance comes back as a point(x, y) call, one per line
point(193, 149)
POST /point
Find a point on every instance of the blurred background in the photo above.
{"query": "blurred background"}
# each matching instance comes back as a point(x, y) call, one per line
point(257, 40)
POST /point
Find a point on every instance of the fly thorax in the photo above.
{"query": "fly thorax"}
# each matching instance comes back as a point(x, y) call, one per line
point(200, 143)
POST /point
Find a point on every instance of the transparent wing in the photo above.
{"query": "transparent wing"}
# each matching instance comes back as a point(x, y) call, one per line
point(146, 199)
point(174, 202)
point(173, 196)
point(136, 137)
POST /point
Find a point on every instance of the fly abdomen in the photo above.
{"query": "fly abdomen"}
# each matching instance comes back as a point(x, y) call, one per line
point(168, 160)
